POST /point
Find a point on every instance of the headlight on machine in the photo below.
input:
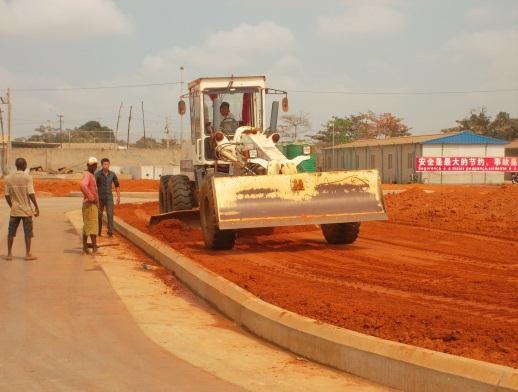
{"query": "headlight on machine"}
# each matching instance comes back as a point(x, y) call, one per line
point(249, 154)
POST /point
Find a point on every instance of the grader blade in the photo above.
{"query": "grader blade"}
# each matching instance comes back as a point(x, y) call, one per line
point(184, 215)
point(298, 199)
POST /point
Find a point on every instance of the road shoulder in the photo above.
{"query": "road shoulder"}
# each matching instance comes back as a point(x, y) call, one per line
point(183, 325)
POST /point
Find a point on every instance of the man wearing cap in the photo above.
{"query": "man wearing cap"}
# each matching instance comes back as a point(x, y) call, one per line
point(90, 203)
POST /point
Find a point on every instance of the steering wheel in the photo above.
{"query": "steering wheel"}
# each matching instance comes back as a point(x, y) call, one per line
point(229, 125)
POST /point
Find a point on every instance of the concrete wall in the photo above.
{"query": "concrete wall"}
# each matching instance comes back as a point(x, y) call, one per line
point(54, 158)
point(396, 163)
point(453, 150)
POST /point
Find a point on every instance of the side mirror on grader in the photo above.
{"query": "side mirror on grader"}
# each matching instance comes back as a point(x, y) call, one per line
point(237, 177)
point(285, 105)
point(181, 107)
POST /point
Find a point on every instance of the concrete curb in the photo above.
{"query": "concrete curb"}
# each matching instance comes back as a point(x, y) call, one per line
point(141, 195)
point(385, 362)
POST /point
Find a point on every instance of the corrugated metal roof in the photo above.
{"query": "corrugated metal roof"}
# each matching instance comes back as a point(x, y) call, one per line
point(465, 137)
point(414, 139)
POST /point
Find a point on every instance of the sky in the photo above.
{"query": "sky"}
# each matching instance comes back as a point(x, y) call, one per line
point(335, 57)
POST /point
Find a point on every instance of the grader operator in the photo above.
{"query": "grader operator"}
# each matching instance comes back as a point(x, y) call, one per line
point(235, 177)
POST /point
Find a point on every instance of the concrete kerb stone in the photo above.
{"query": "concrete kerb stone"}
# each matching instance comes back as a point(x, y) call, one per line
point(385, 362)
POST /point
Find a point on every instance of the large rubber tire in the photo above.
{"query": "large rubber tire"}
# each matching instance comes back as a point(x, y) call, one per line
point(162, 194)
point(341, 233)
point(215, 239)
point(179, 192)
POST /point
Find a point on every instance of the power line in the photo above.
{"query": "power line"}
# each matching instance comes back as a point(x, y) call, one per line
point(422, 92)
point(95, 87)
point(445, 92)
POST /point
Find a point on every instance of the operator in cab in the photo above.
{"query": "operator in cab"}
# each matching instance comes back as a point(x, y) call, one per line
point(228, 122)
point(224, 110)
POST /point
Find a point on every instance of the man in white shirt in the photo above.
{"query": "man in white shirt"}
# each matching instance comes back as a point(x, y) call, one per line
point(19, 193)
point(224, 110)
point(228, 122)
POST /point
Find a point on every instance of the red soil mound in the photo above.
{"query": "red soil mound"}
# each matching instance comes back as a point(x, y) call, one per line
point(45, 187)
point(424, 282)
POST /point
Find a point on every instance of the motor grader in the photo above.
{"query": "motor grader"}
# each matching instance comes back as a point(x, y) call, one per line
point(234, 176)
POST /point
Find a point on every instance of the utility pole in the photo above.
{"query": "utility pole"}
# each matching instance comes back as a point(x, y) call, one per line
point(9, 122)
point(167, 132)
point(144, 124)
point(333, 149)
point(3, 164)
point(6, 142)
point(60, 116)
point(129, 122)
point(117, 126)
point(181, 117)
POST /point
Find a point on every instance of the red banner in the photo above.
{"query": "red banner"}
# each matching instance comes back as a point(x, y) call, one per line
point(463, 164)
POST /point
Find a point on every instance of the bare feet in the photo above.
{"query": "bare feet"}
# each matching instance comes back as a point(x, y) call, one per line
point(86, 251)
point(30, 257)
point(8, 257)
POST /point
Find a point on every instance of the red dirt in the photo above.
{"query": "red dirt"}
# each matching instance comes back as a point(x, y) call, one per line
point(488, 210)
point(46, 187)
point(427, 277)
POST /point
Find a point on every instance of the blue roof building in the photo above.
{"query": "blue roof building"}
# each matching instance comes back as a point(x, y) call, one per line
point(395, 158)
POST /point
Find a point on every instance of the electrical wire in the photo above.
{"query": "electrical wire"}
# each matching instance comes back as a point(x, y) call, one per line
point(445, 92)
point(337, 92)
point(94, 87)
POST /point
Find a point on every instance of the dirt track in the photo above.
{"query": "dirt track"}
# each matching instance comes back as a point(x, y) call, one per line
point(435, 288)
point(54, 187)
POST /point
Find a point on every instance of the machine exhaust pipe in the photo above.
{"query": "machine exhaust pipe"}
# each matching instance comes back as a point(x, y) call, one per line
point(274, 116)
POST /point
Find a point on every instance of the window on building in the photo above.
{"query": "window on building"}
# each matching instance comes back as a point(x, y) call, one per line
point(373, 161)
point(390, 161)
point(411, 159)
point(357, 161)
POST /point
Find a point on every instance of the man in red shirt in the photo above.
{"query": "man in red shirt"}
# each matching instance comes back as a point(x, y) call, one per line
point(90, 203)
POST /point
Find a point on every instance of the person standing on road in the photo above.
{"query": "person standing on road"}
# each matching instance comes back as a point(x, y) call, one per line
point(19, 193)
point(104, 179)
point(90, 203)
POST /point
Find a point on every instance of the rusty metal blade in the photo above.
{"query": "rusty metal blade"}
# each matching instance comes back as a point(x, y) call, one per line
point(180, 215)
point(298, 199)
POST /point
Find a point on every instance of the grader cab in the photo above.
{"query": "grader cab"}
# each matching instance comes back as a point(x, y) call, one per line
point(235, 177)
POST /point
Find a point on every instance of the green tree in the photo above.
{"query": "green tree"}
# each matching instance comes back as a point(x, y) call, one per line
point(361, 126)
point(344, 129)
point(479, 122)
point(148, 143)
point(93, 131)
point(90, 132)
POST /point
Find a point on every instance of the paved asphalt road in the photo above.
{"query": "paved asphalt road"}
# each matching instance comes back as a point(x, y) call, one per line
point(63, 328)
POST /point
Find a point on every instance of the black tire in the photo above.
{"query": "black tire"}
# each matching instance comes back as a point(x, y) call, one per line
point(341, 233)
point(162, 194)
point(179, 192)
point(215, 239)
